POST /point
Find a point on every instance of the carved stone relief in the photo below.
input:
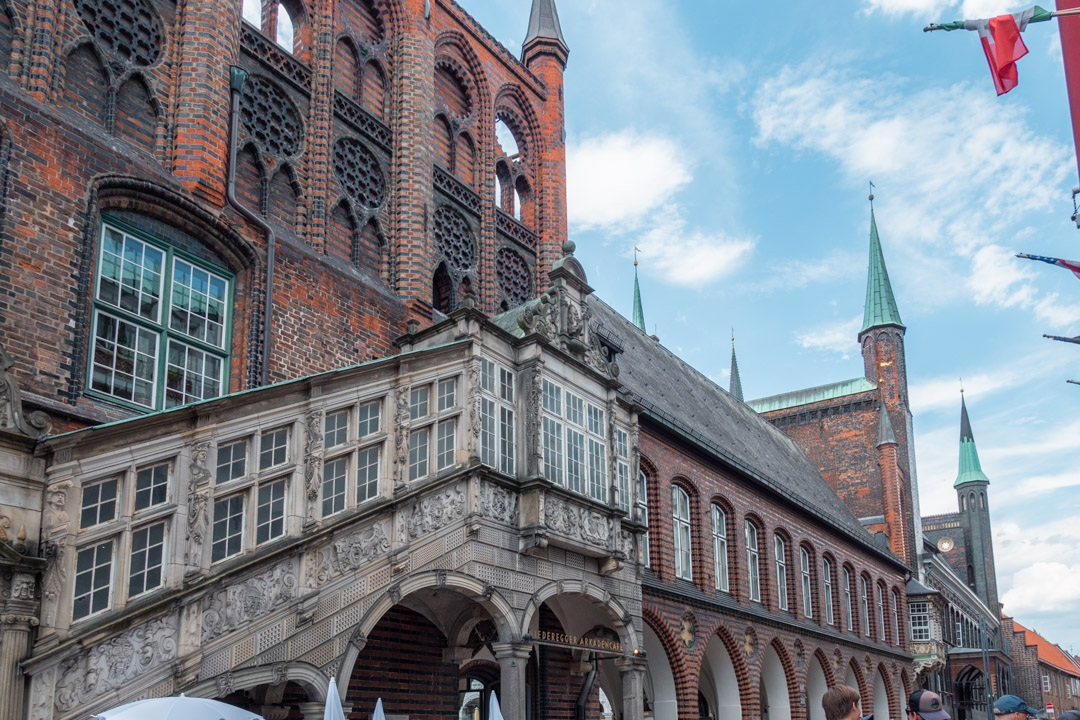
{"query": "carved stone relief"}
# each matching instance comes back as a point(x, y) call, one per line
point(22, 586)
point(198, 499)
point(313, 442)
point(36, 424)
point(230, 607)
point(355, 551)
point(576, 522)
point(474, 407)
point(431, 513)
point(750, 642)
point(401, 433)
point(533, 418)
point(116, 662)
point(498, 503)
point(688, 629)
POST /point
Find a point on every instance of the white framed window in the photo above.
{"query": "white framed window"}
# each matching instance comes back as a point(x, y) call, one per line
point(273, 448)
point(93, 579)
point(335, 479)
point(681, 514)
point(336, 429)
point(498, 430)
point(883, 635)
point(780, 558)
point(752, 568)
point(152, 486)
point(643, 514)
point(160, 323)
point(807, 583)
point(622, 469)
point(99, 503)
point(228, 528)
point(146, 567)
point(1046, 683)
point(919, 618)
point(865, 583)
point(849, 621)
point(433, 434)
point(232, 461)
point(367, 474)
point(720, 547)
point(827, 590)
point(574, 437)
point(895, 616)
point(270, 518)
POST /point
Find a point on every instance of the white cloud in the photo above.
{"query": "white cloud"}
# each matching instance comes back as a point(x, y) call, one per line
point(953, 167)
point(689, 257)
point(967, 10)
point(617, 179)
point(901, 7)
point(1052, 582)
point(839, 337)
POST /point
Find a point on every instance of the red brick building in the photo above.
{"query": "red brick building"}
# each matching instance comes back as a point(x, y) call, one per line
point(1045, 675)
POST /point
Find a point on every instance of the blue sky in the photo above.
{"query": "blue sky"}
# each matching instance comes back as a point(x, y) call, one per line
point(734, 143)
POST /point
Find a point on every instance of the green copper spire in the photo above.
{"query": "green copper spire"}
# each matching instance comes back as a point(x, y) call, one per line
point(735, 388)
point(639, 313)
point(880, 304)
point(970, 469)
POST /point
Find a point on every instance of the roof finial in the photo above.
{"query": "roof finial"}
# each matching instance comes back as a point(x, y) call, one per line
point(871, 195)
point(880, 308)
point(639, 312)
point(735, 380)
point(961, 386)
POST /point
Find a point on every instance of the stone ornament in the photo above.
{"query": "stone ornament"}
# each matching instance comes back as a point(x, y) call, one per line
point(533, 417)
point(355, 551)
point(750, 642)
point(576, 522)
point(688, 629)
point(838, 661)
point(230, 607)
point(313, 443)
point(474, 402)
point(22, 586)
point(36, 424)
point(128, 31)
point(799, 653)
point(432, 513)
point(116, 663)
point(513, 276)
point(198, 500)
point(401, 431)
point(498, 503)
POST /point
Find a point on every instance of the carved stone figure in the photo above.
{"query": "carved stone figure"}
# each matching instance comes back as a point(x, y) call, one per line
point(115, 663)
point(474, 403)
point(360, 549)
point(22, 586)
point(401, 432)
point(313, 441)
point(688, 629)
point(227, 608)
point(533, 418)
point(498, 503)
point(198, 499)
point(55, 503)
point(561, 517)
point(749, 642)
point(595, 527)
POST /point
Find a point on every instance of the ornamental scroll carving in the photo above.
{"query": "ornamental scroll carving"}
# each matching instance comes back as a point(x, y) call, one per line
point(313, 441)
point(498, 503)
point(230, 607)
point(356, 551)
point(401, 433)
point(474, 403)
point(533, 415)
point(116, 662)
point(573, 521)
point(36, 424)
point(567, 323)
point(198, 499)
point(432, 513)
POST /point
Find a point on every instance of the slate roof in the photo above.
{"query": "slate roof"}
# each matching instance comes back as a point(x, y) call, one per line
point(544, 23)
point(678, 396)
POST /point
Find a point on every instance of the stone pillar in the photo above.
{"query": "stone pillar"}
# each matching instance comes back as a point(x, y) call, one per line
point(632, 673)
point(513, 658)
point(14, 642)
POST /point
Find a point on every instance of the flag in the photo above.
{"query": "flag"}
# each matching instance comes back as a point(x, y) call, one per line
point(1001, 41)
point(1072, 266)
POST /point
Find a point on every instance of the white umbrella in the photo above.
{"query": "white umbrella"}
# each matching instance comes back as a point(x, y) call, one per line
point(333, 709)
point(494, 713)
point(178, 708)
point(378, 714)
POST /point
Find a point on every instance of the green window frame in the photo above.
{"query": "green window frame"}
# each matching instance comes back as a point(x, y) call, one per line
point(161, 326)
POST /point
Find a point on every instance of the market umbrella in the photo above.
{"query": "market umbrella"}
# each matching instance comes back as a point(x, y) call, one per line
point(178, 708)
point(378, 714)
point(494, 713)
point(333, 709)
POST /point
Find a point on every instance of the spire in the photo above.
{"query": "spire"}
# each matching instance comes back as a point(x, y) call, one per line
point(970, 469)
point(735, 387)
point(544, 28)
point(880, 306)
point(885, 434)
point(639, 313)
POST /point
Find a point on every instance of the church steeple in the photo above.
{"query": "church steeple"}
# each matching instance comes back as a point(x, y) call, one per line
point(970, 469)
point(545, 33)
point(639, 312)
point(880, 308)
point(735, 387)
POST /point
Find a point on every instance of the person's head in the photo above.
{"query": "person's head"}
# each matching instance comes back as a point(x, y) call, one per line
point(926, 705)
point(1010, 707)
point(840, 702)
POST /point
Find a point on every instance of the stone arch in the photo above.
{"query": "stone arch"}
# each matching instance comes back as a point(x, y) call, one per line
point(497, 607)
point(341, 229)
point(884, 693)
point(86, 82)
point(819, 678)
point(283, 197)
point(726, 664)
point(909, 688)
point(514, 106)
point(661, 687)
point(347, 70)
point(10, 29)
point(450, 42)
point(374, 90)
point(617, 614)
point(442, 142)
point(855, 671)
point(455, 91)
point(465, 159)
point(368, 248)
point(777, 678)
point(303, 674)
point(138, 113)
point(250, 178)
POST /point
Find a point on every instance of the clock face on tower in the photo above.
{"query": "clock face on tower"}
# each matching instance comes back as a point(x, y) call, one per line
point(945, 544)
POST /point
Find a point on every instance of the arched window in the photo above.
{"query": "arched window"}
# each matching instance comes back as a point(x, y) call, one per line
point(807, 585)
point(160, 323)
point(720, 547)
point(752, 556)
point(643, 514)
point(897, 635)
point(883, 632)
point(865, 607)
point(680, 502)
point(780, 558)
point(961, 503)
point(827, 590)
point(285, 33)
point(849, 621)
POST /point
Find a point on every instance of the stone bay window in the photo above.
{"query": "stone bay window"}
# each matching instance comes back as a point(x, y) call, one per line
point(272, 529)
